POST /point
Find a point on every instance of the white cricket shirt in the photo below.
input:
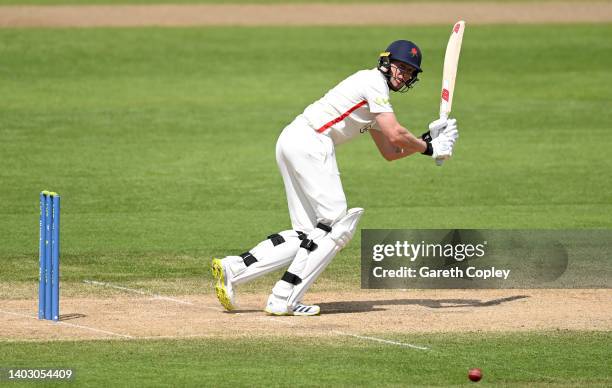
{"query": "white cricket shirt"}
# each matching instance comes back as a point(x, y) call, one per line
point(350, 108)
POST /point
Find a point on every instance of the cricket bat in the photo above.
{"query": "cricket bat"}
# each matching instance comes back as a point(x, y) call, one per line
point(449, 74)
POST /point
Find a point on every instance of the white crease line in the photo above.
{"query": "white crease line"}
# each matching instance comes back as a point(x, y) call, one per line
point(350, 335)
point(69, 324)
point(381, 340)
point(141, 292)
point(177, 337)
point(94, 329)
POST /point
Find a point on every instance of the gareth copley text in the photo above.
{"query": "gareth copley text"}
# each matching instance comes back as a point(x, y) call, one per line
point(426, 272)
point(422, 249)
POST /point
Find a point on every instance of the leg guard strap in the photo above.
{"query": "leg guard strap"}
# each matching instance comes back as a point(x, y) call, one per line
point(291, 278)
point(276, 239)
point(248, 258)
point(324, 227)
point(309, 245)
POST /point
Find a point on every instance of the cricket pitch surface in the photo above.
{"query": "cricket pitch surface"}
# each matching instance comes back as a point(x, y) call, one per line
point(143, 315)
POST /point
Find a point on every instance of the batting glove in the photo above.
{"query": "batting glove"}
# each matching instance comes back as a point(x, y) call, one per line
point(435, 127)
point(441, 147)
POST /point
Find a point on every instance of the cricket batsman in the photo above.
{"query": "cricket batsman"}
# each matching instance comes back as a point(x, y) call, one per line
point(305, 153)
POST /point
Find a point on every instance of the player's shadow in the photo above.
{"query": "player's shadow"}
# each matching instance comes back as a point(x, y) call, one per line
point(244, 311)
point(378, 305)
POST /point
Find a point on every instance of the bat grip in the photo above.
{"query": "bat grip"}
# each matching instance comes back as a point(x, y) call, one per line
point(443, 115)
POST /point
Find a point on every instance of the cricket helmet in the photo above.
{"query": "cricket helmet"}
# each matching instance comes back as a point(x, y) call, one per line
point(404, 51)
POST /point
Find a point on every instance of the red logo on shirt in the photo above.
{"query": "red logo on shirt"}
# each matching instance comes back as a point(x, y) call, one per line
point(457, 27)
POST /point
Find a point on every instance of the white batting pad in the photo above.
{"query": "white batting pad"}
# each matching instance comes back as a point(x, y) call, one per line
point(269, 257)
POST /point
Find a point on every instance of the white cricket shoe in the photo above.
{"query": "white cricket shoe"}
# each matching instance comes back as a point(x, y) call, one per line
point(224, 290)
point(278, 306)
point(306, 310)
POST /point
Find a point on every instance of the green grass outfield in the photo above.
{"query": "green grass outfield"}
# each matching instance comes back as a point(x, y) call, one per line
point(527, 359)
point(161, 141)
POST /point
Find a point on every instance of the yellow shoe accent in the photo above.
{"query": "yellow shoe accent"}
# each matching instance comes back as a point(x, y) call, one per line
point(276, 314)
point(220, 290)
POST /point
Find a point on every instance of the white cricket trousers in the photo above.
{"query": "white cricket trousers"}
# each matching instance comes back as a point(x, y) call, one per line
point(307, 162)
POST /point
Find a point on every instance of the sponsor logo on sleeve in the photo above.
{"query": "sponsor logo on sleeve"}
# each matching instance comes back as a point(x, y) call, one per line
point(383, 101)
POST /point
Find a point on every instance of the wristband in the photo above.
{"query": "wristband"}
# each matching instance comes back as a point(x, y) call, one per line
point(426, 137)
point(429, 150)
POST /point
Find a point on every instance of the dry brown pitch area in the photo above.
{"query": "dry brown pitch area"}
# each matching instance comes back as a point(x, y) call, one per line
point(408, 14)
point(362, 313)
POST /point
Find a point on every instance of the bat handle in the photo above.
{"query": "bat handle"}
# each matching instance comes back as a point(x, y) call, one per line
point(443, 115)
